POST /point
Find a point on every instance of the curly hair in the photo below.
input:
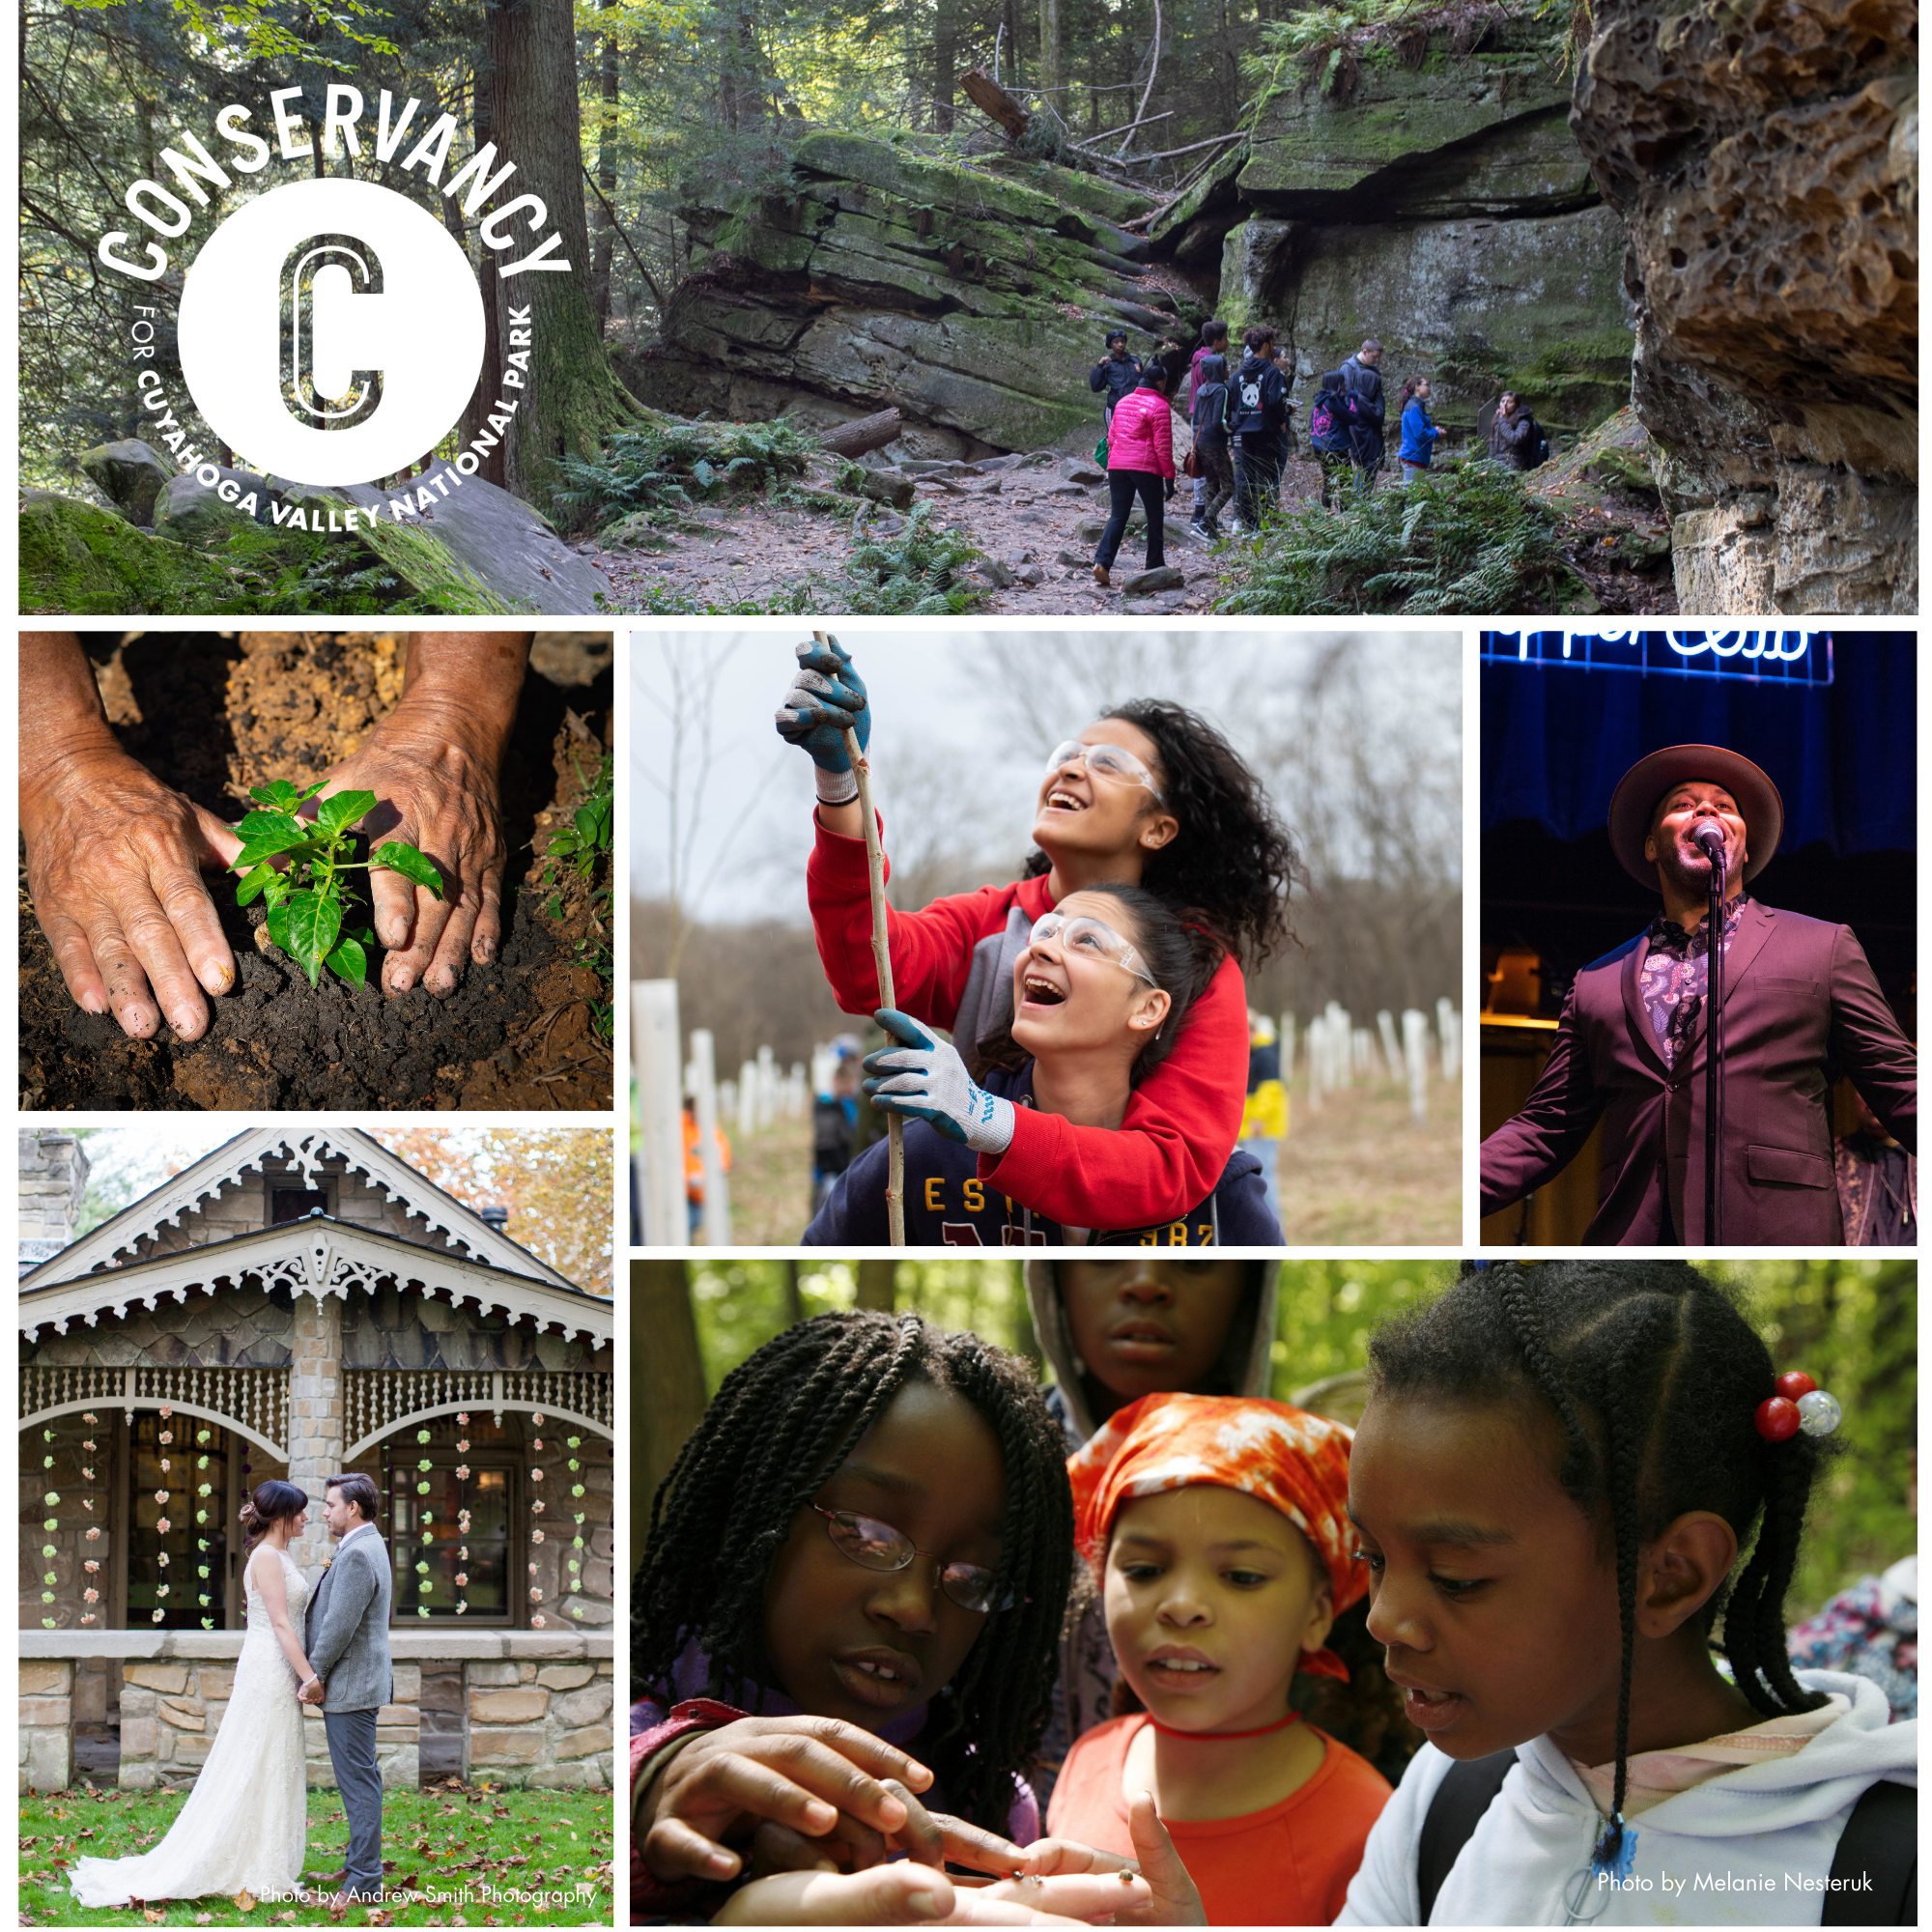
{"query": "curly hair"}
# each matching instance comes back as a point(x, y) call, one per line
point(1229, 867)
point(780, 1425)
point(1655, 1375)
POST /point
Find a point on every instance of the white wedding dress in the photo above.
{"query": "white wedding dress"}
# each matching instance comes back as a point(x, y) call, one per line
point(245, 1825)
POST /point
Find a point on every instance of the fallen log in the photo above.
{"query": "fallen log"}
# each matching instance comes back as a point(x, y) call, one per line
point(854, 438)
point(993, 100)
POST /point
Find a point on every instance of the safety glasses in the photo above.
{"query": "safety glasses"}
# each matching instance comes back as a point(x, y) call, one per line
point(1112, 763)
point(1091, 937)
point(873, 1545)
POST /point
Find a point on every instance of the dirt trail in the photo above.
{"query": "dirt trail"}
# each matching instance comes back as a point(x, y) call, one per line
point(1038, 519)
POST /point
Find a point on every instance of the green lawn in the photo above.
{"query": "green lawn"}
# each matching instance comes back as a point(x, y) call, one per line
point(454, 1855)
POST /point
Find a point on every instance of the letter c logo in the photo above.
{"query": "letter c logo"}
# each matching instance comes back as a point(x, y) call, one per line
point(332, 331)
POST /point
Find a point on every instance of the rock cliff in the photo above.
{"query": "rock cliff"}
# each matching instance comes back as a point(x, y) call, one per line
point(975, 297)
point(1424, 187)
point(1762, 155)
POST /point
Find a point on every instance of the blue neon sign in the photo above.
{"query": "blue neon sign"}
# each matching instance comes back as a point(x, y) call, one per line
point(1774, 657)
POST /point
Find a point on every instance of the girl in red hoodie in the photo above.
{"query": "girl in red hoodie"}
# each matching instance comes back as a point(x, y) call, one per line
point(1149, 795)
point(1139, 462)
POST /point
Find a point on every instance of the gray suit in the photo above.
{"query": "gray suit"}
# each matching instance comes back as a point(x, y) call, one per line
point(347, 1636)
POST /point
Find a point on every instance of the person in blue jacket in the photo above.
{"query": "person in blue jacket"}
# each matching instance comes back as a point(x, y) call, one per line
point(1100, 993)
point(1418, 430)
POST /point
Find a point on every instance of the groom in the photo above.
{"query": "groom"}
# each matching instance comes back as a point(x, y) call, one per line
point(347, 1636)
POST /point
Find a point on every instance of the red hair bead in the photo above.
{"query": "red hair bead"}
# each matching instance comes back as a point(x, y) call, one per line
point(1777, 1418)
point(1793, 1383)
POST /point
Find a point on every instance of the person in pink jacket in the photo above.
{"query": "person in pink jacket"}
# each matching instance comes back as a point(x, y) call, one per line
point(1139, 462)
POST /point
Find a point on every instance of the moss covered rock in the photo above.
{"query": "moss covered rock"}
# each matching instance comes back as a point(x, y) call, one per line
point(974, 299)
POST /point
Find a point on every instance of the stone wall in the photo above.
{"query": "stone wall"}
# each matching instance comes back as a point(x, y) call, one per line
point(520, 1708)
point(54, 1178)
point(401, 1329)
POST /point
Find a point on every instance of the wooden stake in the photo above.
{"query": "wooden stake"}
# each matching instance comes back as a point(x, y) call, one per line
point(882, 965)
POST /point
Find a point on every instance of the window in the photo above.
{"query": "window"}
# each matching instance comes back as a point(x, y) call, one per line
point(426, 1538)
point(291, 1204)
point(192, 1587)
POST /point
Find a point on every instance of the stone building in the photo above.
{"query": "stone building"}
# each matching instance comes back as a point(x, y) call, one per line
point(298, 1304)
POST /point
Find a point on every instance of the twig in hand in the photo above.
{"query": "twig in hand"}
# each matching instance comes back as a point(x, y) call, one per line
point(882, 965)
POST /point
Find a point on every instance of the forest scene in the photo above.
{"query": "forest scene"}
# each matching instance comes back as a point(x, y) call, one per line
point(1853, 1324)
point(833, 332)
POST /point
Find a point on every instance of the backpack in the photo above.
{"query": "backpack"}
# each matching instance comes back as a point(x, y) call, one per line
point(1537, 452)
point(1874, 1871)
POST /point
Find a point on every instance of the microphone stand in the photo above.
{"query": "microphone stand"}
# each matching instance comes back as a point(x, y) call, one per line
point(1714, 1053)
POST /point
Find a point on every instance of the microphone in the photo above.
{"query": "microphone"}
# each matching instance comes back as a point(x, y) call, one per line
point(1709, 840)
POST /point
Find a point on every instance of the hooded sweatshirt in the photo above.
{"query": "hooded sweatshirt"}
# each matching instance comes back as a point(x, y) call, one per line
point(952, 968)
point(1084, 1696)
point(948, 1206)
point(1751, 1846)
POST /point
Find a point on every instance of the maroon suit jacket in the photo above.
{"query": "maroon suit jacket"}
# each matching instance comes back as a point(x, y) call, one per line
point(1799, 999)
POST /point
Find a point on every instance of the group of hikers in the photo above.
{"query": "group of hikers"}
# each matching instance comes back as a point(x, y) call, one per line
point(1239, 427)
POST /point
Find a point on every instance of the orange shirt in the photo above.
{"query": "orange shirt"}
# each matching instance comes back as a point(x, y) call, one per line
point(1287, 1865)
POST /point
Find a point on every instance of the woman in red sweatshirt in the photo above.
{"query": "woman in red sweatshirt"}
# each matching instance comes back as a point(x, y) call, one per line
point(1139, 462)
point(1149, 795)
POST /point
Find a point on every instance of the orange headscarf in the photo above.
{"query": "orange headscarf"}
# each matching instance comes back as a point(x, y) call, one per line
point(1295, 1461)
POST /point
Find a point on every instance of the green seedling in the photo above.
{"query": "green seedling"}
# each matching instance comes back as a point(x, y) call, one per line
point(305, 890)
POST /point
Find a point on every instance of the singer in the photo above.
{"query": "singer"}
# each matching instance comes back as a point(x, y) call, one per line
point(1629, 1048)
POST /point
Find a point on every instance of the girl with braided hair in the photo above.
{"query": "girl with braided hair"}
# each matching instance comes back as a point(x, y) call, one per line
point(1558, 1474)
point(863, 1549)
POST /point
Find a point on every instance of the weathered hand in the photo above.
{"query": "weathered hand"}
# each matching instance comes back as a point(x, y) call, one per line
point(798, 1773)
point(433, 764)
point(114, 862)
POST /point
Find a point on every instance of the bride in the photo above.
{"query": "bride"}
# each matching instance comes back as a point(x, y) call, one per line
point(245, 1826)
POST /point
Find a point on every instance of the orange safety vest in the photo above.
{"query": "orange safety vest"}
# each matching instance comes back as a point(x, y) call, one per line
point(693, 1162)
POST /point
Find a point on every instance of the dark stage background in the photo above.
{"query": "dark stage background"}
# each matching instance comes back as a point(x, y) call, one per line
point(1555, 739)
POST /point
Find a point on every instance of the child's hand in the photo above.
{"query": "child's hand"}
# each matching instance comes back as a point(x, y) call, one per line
point(911, 1894)
point(935, 1838)
point(799, 1772)
point(1174, 1899)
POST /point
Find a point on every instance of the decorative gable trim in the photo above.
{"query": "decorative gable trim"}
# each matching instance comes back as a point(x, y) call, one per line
point(315, 1256)
point(305, 1150)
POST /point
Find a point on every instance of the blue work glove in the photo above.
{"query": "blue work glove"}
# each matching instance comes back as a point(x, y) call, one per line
point(826, 696)
point(926, 1080)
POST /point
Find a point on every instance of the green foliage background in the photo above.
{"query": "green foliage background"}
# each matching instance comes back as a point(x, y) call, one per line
point(1851, 1324)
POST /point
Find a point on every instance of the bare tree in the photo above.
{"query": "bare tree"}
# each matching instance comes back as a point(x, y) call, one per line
point(666, 1379)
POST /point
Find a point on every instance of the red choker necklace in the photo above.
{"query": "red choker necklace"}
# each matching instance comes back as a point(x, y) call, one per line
point(1168, 1730)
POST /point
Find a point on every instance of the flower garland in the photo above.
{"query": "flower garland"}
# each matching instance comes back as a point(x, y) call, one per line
point(425, 1583)
point(202, 1489)
point(536, 1531)
point(164, 1525)
point(92, 1594)
point(461, 1519)
point(575, 1560)
point(49, 1549)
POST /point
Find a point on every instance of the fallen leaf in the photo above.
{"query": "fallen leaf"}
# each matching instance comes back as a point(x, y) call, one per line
point(153, 1918)
point(245, 1901)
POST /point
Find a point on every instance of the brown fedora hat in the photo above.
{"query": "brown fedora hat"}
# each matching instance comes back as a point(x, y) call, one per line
point(1633, 803)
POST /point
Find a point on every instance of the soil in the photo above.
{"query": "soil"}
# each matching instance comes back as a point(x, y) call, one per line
point(751, 551)
point(212, 715)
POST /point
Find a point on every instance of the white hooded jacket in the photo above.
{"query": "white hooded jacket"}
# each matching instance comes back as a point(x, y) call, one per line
point(1751, 1847)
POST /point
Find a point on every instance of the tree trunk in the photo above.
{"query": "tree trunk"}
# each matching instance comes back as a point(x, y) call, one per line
point(607, 176)
point(854, 438)
point(489, 378)
point(994, 101)
point(1050, 65)
point(571, 398)
point(878, 1286)
point(666, 1379)
point(794, 1298)
point(945, 62)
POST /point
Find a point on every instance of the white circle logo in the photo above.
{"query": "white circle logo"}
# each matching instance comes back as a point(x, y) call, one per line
point(332, 331)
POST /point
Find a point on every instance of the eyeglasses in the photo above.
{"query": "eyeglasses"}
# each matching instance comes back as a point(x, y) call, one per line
point(873, 1545)
point(1106, 761)
point(1094, 938)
